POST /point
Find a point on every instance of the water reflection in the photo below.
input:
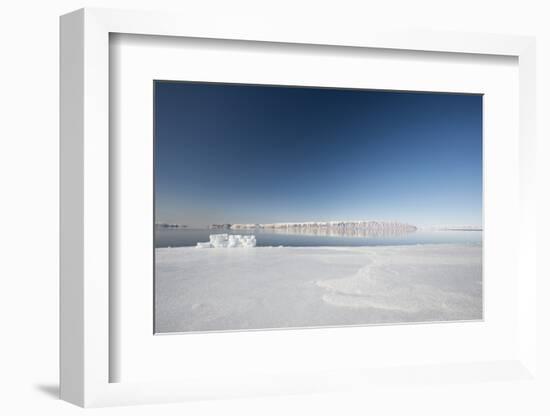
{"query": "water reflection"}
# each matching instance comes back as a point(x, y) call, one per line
point(302, 237)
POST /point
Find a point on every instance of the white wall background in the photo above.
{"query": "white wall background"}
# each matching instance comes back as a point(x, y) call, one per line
point(29, 205)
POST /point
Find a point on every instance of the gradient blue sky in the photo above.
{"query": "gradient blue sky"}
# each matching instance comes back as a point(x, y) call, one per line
point(228, 153)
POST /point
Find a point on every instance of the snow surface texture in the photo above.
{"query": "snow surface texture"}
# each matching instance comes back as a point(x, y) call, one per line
point(281, 287)
point(229, 241)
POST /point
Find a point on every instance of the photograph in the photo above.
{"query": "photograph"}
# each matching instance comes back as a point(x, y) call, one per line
point(279, 207)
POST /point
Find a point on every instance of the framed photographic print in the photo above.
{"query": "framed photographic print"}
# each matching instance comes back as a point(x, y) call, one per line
point(283, 206)
point(269, 212)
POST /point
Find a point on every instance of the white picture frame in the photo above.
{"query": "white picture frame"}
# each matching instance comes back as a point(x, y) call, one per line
point(86, 303)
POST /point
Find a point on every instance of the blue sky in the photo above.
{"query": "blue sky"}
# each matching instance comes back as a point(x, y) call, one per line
point(228, 153)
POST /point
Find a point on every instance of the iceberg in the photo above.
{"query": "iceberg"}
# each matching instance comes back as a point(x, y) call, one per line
point(229, 241)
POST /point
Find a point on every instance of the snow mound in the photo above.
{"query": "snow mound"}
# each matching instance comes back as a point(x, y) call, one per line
point(229, 241)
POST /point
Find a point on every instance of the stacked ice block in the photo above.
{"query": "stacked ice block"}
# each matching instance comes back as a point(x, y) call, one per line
point(229, 241)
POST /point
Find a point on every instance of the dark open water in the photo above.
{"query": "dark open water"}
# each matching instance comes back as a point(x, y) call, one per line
point(179, 237)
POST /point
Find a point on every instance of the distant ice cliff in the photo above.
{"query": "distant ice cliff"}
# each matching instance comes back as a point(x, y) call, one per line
point(369, 226)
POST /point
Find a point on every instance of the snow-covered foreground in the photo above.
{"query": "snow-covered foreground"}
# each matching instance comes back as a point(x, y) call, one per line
point(278, 287)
